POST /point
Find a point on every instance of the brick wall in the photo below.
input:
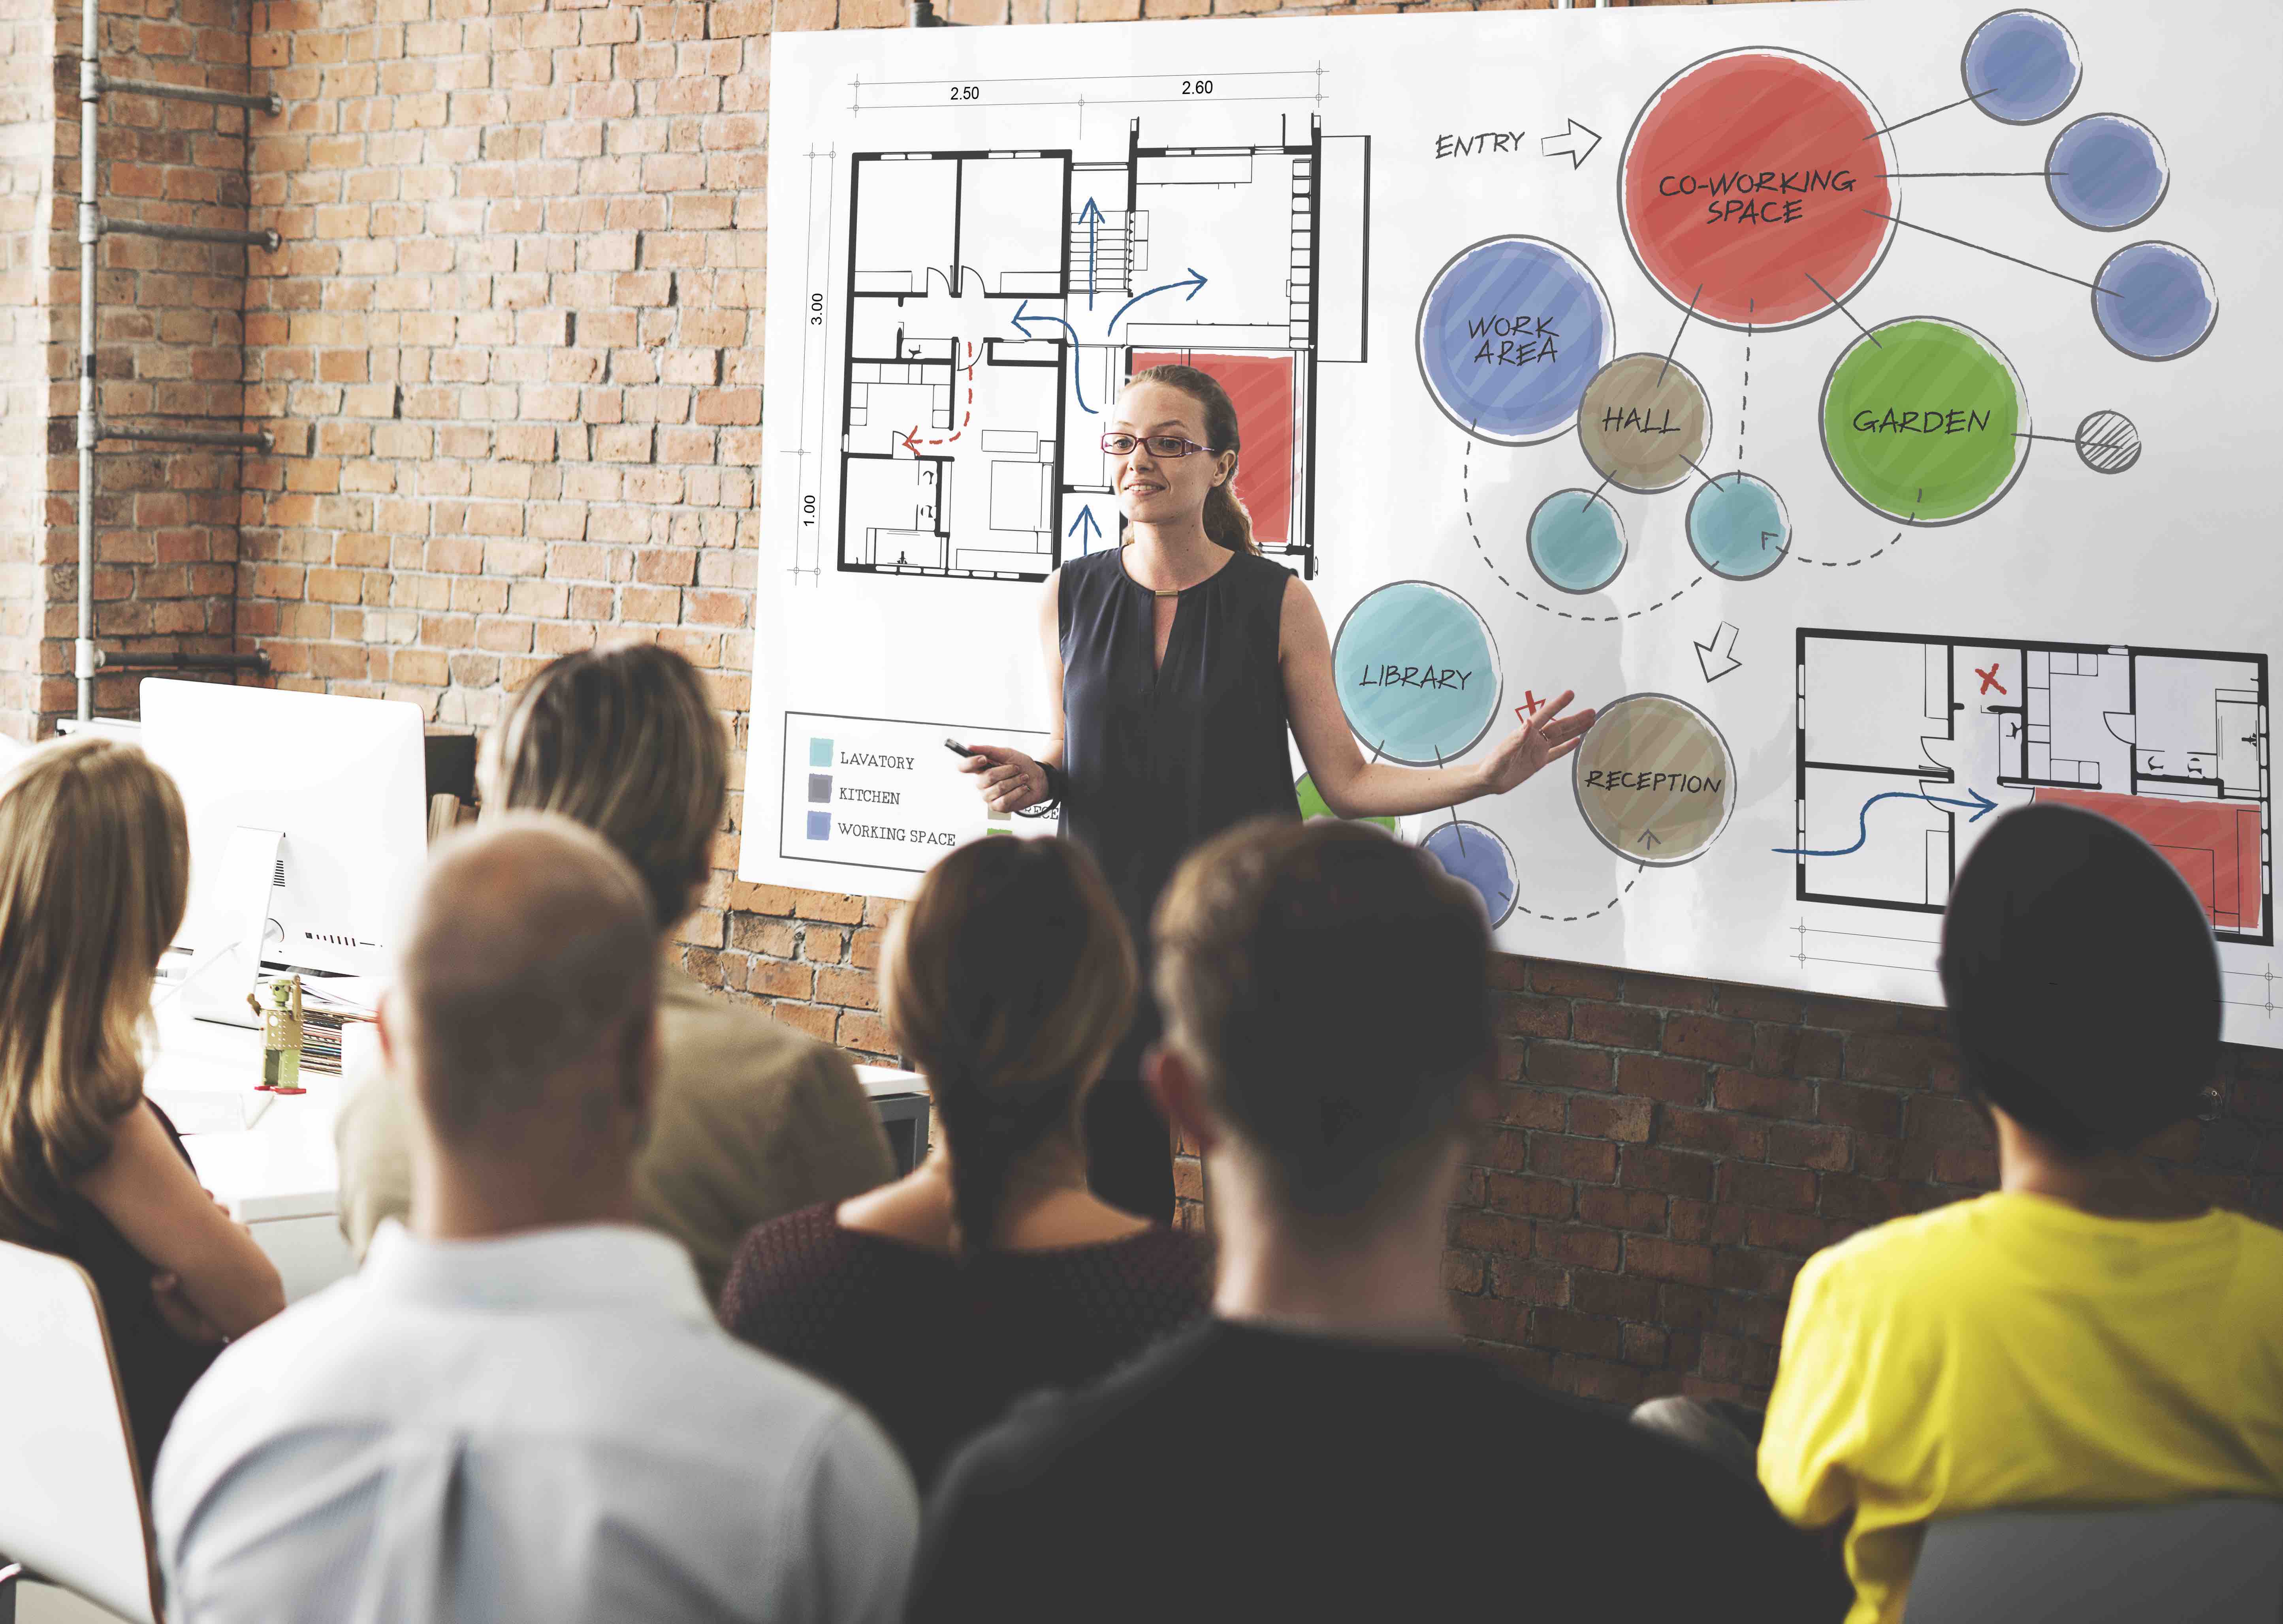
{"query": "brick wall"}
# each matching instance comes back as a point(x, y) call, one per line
point(511, 350)
point(1670, 1151)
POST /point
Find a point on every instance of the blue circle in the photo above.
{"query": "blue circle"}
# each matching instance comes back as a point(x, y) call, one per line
point(2106, 172)
point(1577, 543)
point(2022, 67)
point(1509, 335)
point(1417, 673)
point(2155, 300)
point(1478, 859)
point(1738, 528)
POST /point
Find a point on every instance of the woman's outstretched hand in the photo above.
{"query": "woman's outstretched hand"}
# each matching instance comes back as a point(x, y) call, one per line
point(1549, 735)
point(1009, 780)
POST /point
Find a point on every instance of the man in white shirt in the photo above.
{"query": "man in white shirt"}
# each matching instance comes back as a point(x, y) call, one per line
point(522, 1408)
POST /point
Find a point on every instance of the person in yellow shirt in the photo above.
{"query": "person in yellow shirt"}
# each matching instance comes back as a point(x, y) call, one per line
point(2086, 1335)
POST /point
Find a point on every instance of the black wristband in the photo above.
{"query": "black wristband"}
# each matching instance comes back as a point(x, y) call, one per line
point(1058, 783)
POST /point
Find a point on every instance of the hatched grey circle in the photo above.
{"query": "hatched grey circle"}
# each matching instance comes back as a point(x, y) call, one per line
point(2107, 442)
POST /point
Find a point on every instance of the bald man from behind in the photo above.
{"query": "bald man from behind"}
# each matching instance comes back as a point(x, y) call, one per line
point(522, 1408)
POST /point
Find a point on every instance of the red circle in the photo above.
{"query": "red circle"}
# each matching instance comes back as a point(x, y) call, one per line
point(1750, 173)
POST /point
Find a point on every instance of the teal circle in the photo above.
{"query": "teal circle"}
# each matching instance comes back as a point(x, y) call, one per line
point(1738, 528)
point(1417, 673)
point(1577, 542)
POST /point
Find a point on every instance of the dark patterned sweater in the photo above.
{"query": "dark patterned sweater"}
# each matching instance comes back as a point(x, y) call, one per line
point(936, 1350)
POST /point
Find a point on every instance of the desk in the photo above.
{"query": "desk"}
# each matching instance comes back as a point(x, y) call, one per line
point(281, 1177)
point(278, 1177)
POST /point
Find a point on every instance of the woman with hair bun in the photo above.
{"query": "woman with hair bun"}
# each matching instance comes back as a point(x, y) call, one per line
point(1175, 665)
point(991, 1269)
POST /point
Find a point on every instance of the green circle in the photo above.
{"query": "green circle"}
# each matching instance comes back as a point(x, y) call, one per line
point(1311, 805)
point(1923, 421)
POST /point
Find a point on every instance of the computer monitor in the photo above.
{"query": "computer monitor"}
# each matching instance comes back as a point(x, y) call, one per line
point(308, 825)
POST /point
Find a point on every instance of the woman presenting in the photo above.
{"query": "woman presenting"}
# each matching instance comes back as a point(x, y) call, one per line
point(1174, 665)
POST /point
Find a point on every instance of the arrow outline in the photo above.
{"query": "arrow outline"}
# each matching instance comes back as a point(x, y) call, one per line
point(1546, 149)
point(1708, 652)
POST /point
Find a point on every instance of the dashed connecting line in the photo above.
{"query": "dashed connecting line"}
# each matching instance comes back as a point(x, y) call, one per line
point(1744, 404)
point(1571, 919)
point(1849, 564)
point(1467, 501)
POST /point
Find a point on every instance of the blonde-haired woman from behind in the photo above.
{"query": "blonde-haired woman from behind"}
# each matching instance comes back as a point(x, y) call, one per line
point(94, 875)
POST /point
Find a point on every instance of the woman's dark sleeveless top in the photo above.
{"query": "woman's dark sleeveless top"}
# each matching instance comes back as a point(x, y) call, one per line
point(156, 1367)
point(1161, 758)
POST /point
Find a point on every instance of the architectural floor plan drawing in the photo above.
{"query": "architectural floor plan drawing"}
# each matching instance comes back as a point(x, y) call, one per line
point(1907, 742)
point(997, 300)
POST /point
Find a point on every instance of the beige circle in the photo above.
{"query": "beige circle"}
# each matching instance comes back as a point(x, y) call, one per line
point(1654, 779)
point(1643, 419)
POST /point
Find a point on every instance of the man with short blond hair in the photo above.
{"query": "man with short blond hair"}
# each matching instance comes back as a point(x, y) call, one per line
point(522, 1407)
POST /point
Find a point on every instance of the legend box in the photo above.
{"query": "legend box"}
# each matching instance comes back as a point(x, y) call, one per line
point(878, 792)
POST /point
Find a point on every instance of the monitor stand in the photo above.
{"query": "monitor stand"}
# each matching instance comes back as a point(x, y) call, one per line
point(224, 967)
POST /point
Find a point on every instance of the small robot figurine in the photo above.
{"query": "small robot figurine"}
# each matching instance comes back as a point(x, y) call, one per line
point(281, 1037)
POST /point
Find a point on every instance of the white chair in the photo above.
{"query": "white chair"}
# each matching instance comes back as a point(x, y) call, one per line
point(2215, 1561)
point(71, 1496)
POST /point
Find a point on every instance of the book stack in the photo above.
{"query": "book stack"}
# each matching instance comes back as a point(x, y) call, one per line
point(321, 1040)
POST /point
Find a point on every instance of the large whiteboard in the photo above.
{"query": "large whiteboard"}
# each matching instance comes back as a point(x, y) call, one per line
point(1867, 404)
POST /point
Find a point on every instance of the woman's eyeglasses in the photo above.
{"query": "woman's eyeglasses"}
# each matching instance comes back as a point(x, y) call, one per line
point(1167, 446)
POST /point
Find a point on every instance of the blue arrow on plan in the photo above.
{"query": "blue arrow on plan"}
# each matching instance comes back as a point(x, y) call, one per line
point(1194, 282)
point(1981, 806)
point(1093, 218)
point(1092, 528)
point(1023, 320)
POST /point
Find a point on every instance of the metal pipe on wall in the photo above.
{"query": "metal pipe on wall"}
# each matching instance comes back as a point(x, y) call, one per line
point(89, 235)
point(258, 661)
point(87, 659)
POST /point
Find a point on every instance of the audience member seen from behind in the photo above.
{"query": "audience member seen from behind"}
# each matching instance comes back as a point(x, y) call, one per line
point(2086, 1335)
point(993, 1269)
point(1323, 1447)
point(94, 873)
point(521, 1407)
point(751, 1118)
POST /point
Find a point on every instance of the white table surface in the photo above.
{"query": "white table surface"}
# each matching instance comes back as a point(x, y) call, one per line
point(283, 1166)
point(882, 1082)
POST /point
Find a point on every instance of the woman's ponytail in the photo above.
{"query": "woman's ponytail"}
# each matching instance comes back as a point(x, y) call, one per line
point(989, 1135)
point(1228, 522)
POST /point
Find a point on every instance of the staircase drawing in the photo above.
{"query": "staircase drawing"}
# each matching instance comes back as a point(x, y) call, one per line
point(1102, 257)
point(1299, 289)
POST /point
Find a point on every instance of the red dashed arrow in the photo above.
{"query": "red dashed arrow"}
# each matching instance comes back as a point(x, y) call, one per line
point(968, 418)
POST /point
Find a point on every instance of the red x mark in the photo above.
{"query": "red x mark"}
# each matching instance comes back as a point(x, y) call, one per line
point(1990, 678)
point(1525, 713)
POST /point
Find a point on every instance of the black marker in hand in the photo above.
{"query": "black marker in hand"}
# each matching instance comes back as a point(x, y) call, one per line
point(1009, 780)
